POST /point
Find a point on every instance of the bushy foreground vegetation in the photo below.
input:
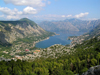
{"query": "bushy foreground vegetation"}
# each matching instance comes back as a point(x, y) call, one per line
point(78, 61)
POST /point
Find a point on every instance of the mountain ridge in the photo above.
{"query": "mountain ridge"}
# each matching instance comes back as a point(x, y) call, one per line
point(70, 25)
point(95, 32)
point(10, 31)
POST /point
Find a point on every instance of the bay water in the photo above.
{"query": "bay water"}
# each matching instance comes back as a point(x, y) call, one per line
point(57, 39)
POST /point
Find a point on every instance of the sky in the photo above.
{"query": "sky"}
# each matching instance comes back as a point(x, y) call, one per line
point(49, 9)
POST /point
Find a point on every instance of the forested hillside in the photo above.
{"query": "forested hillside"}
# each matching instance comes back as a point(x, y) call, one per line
point(61, 37)
point(57, 59)
point(78, 60)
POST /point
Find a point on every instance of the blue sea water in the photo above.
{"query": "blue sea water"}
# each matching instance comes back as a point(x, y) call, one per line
point(57, 39)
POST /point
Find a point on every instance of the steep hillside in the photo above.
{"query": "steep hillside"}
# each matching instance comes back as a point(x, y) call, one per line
point(83, 25)
point(10, 31)
point(95, 32)
point(20, 35)
point(91, 34)
point(69, 25)
point(58, 26)
point(57, 60)
point(48, 26)
point(65, 27)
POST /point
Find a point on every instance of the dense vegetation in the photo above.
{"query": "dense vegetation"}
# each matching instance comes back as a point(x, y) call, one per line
point(77, 61)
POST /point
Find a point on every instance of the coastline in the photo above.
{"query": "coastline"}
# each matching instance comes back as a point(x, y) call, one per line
point(34, 44)
point(44, 39)
point(56, 33)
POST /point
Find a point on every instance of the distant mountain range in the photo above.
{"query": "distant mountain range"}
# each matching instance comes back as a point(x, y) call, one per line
point(69, 25)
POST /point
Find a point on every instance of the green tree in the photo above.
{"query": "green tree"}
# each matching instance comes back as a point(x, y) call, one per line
point(68, 72)
point(98, 57)
point(83, 70)
point(41, 71)
point(93, 62)
point(5, 72)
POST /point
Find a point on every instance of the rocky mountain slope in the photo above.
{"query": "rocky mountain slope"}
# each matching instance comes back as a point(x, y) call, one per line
point(10, 31)
point(93, 71)
point(69, 25)
point(95, 32)
point(58, 26)
point(58, 59)
point(16, 37)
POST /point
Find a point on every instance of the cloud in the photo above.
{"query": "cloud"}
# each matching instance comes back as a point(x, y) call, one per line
point(66, 16)
point(12, 17)
point(29, 10)
point(49, 2)
point(63, 16)
point(32, 3)
point(92, 19)
point(1, 15)
point(69, 16)
point(14, 13)
point(52, 17)
point(32, 7)
point(59, 17)
point(8, 11)
point(81, 15)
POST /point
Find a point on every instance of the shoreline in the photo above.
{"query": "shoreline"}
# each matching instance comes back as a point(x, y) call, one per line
point(44, 39)
point(56, 33)
point(54, 44)
point(34, 44)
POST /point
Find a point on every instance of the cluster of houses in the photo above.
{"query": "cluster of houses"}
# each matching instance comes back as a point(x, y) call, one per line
point(27, 56)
